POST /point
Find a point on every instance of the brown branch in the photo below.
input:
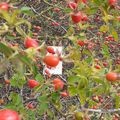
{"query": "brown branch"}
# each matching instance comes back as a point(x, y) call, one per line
point(98, 110)
point(47, 18)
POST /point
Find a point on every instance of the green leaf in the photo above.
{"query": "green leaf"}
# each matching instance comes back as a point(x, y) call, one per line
point(83, 27)
point(14, 18)
point(55, 96)
point(34, 69)
point(42, 108)
point(82, 38)
point(91, 10)
point(98, 80)
point(98, 2)
point(15, 103)
point(67, 10)
point(117, 101)
point(73, 79)
point(24, 59)
point(42, 99)
point(82, 95)
point(10, 37)
point(15, 98)
point(100, 89)
point(116, 23)
point(114, 33)
point(89, 59)
point(31, 115)
point(39, 77)
point(107, 87)
point(73, 90)
point(18, 80)
point(105, 50)
point(7, 51)
point(92, 103)
point(50, 113)
point(86, 52)
point(83, 82)
point(26, 10)
point(82, 72)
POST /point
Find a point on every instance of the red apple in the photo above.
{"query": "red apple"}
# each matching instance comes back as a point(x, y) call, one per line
point(29, 42)
point(112, 2)
point(76, 17)
point(72, 5)
point(33, 83)
point(4, 6)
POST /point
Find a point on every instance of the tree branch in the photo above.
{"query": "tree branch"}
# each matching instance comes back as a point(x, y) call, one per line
point(98, 110)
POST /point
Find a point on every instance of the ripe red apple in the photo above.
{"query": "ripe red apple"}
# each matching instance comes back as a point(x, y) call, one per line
point(112, 2)
point(64, 94)
point(58, 84)
point(97, 67)
point(81, 43)
point(94, 107)
point(50, 50)
point(33, 83)
point(7, 114)
point(29, 42)
point(72, 5)
point(112, 76)
point(84, 17)
point(37, 28)
point(47, 72)
point(118, 18)
point(84, 1)
point(55, 24)
point(30, 106)
point(4, 6)
point(105, 64)
point(7, 81)
point(51, 60)
point(76, 17)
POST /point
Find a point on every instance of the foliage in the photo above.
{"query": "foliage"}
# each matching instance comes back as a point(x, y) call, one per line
point(93, 50)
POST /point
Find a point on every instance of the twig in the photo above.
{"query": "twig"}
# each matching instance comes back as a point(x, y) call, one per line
point(53, 5)
point(47, 18)
point(29, 100)
point(63, 78)
point(20, 3)
point(98, 110)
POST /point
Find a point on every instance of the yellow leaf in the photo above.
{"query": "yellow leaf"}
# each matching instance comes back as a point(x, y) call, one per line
point(104, 28)
point(115, 35)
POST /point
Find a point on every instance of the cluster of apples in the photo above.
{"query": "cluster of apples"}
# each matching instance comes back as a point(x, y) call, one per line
point(76, 15)
point(51, 61)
